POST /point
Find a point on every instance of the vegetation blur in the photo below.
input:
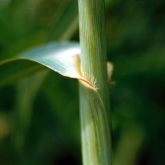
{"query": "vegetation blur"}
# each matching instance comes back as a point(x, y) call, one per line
point(39, 113)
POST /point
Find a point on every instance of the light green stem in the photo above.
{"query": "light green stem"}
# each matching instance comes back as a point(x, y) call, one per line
point(94, 104)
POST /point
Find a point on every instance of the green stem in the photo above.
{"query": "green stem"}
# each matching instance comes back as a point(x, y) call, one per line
point(94, 104)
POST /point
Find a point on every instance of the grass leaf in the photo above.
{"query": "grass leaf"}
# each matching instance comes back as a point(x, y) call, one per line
point(59, 57)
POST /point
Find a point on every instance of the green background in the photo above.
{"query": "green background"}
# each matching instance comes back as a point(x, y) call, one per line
point(39, 114)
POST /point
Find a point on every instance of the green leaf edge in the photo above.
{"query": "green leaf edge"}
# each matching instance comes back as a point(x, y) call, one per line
point(33, 64)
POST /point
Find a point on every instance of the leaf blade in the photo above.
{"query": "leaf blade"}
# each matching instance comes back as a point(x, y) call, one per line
point(59, 57)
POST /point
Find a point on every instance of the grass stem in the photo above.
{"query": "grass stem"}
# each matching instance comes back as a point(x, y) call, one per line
point(94, 104)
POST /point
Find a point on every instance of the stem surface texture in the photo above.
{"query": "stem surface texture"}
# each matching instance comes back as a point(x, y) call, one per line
point(94, 104)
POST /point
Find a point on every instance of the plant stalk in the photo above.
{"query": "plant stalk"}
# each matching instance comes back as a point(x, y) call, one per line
point(94, 104)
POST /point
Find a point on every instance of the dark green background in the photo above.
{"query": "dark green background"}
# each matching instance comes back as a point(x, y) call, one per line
point(39, 114)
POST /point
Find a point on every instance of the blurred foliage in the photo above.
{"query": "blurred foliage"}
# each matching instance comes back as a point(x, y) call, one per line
point(39, 116)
